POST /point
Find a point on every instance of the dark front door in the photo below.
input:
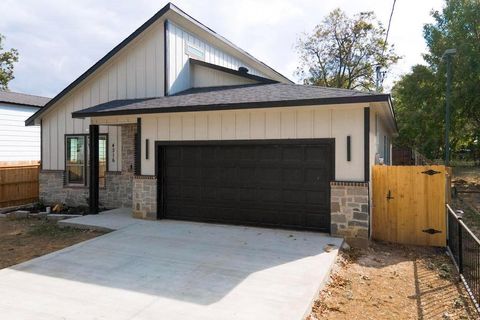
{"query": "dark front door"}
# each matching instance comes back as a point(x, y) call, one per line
point(265, 183)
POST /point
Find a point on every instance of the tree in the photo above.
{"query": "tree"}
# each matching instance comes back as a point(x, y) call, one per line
point(417, 101)
point(344, 52)
point(456, 26)
point(7, 59)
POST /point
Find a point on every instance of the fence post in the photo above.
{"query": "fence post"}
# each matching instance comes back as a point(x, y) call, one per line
point(460, 248)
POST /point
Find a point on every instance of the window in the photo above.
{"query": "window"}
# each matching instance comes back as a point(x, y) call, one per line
point(77, 166)
point(194, 51)
point(76, 158)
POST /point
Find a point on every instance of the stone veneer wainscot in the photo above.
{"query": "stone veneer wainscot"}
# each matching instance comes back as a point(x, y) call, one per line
point(145, 197)
point(350, 212)
point(118, 185)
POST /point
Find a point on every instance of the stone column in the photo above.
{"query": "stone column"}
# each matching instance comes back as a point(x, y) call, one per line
point(350, 212)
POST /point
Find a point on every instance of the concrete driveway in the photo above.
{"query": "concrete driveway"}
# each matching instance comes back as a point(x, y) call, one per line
point(173, 270)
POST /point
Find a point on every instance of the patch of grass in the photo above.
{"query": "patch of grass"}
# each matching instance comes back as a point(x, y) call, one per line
point(51, 229)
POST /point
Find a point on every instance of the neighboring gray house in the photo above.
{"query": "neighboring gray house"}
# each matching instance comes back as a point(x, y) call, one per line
point(177, 122)
point(19, 143)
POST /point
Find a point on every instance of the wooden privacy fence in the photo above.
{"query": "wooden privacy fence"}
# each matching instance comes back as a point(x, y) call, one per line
point(18, 184)
point(409, 204)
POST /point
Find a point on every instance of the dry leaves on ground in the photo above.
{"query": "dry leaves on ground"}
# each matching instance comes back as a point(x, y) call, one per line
point(393, 282)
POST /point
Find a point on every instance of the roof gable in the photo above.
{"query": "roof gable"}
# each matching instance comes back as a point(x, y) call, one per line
point(167, 9)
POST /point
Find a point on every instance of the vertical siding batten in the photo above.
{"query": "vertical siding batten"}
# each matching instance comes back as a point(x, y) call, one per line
point(116, 79)
point(284, 123)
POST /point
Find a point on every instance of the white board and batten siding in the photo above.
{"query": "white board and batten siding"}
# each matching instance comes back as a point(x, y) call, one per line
point(135, 72)
point(276, 123)
point(18, 142)
point(207, 77)
point(179, 41)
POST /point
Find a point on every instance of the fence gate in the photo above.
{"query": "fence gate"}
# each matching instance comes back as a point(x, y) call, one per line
point(409, 204)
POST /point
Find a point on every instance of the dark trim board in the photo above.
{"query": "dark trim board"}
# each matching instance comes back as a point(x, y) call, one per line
point(138, 148)
point(160, 156)
point(41, 144)
point(93, 196)
point(230, 71)
point(366, 143)
point(165, 58)
point(160, 164)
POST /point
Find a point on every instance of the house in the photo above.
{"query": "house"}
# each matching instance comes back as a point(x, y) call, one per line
point(177, 122)
point(18, 143)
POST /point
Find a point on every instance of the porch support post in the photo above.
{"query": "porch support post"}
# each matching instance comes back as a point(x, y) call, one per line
point(94, 165)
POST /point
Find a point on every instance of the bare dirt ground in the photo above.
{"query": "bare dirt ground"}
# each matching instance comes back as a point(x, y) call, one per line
point(467, 185)
point(466, 181)
point(22, 240)
point(394, 282)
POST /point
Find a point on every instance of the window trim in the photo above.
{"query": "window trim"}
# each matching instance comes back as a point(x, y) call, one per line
point(86, 164)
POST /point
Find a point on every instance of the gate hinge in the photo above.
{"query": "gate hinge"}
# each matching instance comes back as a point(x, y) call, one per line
point(431, 172)
point(431, 231)
point(389, 195)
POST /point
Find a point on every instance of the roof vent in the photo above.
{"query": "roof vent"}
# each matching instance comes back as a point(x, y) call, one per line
point(243, 70)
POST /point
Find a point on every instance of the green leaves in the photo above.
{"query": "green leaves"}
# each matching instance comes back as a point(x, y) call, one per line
point(7, 59)
point(343, 52)
point(456, 26)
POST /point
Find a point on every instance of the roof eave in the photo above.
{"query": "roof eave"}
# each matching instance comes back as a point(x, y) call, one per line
point(394, 116)
point(21, 104)
point(233, 106)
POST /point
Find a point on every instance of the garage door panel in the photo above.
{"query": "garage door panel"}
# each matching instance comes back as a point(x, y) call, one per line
point(246, 194)
point(268, 153)
point(317, 198)
point(315, 180)
point(315, 220)
point(284, 184)
point(246, 174)
point(173, 173)
point(293, 175)
point(267, 175)
point(316, 153)
point(293, 153)
point(297, 197)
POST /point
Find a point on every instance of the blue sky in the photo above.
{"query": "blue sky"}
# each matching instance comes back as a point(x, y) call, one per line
point(59, 40)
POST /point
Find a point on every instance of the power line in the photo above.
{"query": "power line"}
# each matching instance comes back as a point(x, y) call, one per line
point(380, 75)
point(389, 23)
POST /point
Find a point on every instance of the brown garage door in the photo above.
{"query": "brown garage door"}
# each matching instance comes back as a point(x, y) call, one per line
point(264, 183)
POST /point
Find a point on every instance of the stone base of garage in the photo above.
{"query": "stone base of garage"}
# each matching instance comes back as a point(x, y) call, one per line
point(350, 212)
point(145, 197)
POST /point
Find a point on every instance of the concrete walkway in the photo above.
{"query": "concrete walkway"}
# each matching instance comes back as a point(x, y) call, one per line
point(172, 270)
point(104, 221)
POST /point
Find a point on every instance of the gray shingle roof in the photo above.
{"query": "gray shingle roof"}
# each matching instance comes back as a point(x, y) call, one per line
point(22, 99)
point(234, 97)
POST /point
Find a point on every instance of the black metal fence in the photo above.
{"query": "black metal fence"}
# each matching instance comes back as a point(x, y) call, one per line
point(464, 248)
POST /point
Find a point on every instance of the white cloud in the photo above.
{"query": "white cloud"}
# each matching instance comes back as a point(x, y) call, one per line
point(59, 40)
